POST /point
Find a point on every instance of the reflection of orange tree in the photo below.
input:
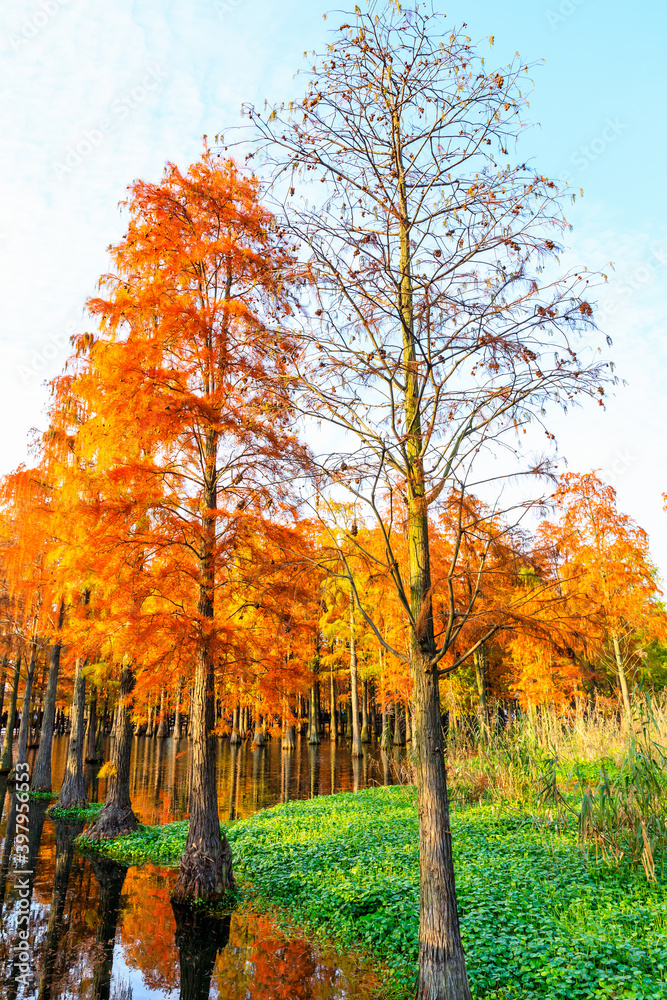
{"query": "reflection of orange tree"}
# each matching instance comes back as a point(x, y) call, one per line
point(148, 928)
point(261, 962)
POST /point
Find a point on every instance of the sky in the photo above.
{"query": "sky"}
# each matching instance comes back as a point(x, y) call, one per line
point(94, 95)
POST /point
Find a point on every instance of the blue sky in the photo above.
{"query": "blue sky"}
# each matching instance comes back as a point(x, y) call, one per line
point(93, 95)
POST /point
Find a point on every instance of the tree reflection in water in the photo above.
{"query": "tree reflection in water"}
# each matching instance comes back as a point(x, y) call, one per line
point(66, 834)
point(199, 938)
point(110, 878)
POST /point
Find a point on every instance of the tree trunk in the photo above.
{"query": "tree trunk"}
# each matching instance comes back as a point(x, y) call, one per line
point(387, 735)
point(41, 775)
point(25, 713)
point(149, 721)
point(178, 728)
point(622, 679)
point(117, 817)
point(333, 711)
point(91, 728)
point(313, 720)
point(479, 660)
point(3, 679)
point(163, 728)
point(442, 967)
point(235, 737)
point(354, 694)
point(399, 720)
point(206, 866)
point(289, 741)
point(365, 734)
point(73, 789)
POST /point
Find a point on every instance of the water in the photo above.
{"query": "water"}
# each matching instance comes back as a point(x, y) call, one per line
point(99, 930)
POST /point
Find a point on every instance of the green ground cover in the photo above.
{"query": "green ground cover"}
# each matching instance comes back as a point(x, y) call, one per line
point(91, 812)
point(538, 918)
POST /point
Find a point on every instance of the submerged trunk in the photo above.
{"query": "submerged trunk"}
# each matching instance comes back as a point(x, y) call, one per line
point(398, 724)
point(117, 817)
point(313, 719)
point(365, 733)
point(3, 679)
point(205, 873)
point(178, 730)
point(354, 695)
point(7, 748)
point(73, 789)
point(163, 728)
point(91, 728)
point(289, 741)
point(387, 735)
point(25, 713)
point(235, 737)
point(333, 711)
point(41, 775)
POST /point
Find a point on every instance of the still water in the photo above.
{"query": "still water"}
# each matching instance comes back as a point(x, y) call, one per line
point(96, 929)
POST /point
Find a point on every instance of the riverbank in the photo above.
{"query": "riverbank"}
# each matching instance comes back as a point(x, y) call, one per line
point(538, 918)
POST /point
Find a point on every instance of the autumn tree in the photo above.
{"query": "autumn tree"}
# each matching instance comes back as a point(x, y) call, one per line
point(606, 576)
point(191, 370)
point(442, 324)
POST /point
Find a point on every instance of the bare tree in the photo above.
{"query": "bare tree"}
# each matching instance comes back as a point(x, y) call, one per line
point(443, 326)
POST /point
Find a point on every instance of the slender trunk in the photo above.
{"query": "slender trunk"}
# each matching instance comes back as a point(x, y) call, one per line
point(205, 873)
point(235, 737)
point(117, 817)
point(354, 695)
point(41, 775)
point(289, 741)
point(73, 789)
point(3, 679)
point(387, 732)
point(313, 722)
point(442, 967)
point(163, 728)
point(149, 722)
point(479, 660)
point(622, 678)
point(398, 724)
point(91, 729)
point(365, 733)
point(25, 711)
point(178, 725)
point(333, 711)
